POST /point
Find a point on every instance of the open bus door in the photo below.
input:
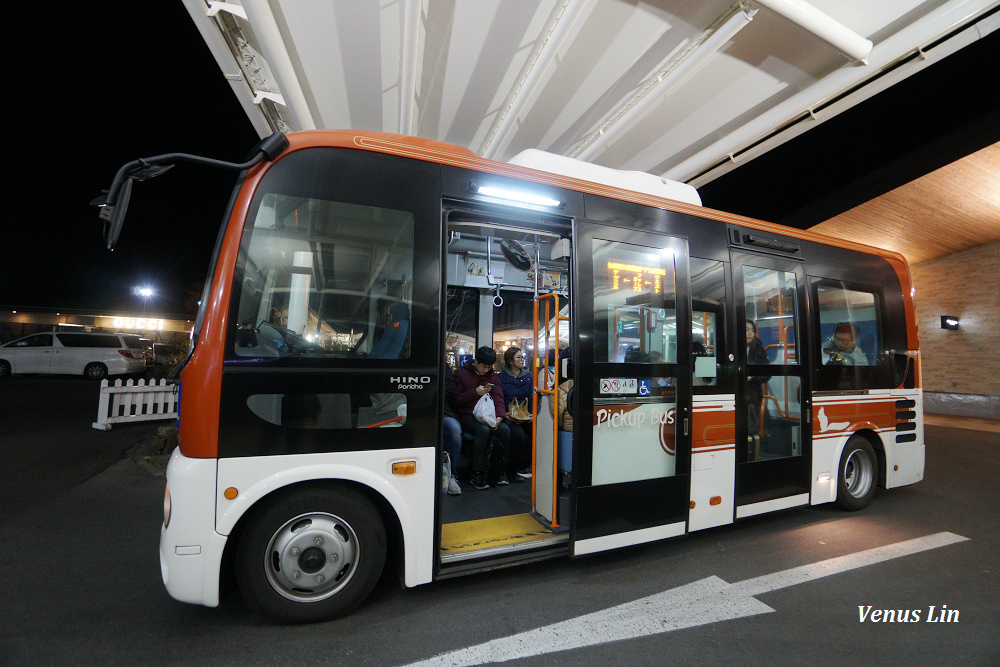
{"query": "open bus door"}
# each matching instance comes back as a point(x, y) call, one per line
point(631, 439)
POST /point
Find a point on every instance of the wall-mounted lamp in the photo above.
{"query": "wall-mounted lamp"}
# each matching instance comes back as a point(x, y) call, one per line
point(949, 322)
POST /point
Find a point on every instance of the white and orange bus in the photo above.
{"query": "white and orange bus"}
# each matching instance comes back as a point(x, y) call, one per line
point(723, 368)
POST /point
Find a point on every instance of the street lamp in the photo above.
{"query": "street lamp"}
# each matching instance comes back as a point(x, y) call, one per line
point(145, 292)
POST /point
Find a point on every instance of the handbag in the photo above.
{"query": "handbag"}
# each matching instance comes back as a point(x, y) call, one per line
point(519, 412)
point(485, 411)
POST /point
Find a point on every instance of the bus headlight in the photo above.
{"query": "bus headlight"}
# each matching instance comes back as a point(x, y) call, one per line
point(166, 506)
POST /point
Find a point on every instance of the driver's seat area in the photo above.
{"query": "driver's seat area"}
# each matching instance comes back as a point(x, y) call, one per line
point(393, 340)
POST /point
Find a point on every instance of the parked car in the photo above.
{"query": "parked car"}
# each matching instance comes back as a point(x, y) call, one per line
point(147, 348)
point(167, 354)
point(95, 355)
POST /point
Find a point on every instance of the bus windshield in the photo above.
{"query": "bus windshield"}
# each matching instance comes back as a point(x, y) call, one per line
point(326, 278)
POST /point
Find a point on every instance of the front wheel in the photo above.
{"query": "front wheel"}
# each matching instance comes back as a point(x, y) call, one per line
point(95, 371)
point(857, 474)
point(4, 369)
point(311, 556)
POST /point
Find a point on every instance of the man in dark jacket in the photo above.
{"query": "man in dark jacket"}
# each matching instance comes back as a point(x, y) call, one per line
point(473, 381)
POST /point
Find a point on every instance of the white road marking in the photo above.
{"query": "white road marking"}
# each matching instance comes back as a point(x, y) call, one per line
point(699, 603)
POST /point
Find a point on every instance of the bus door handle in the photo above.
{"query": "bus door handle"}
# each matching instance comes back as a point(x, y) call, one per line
point(687, 424)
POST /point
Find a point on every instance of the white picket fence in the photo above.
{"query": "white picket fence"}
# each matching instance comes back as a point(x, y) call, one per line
point(135, 401)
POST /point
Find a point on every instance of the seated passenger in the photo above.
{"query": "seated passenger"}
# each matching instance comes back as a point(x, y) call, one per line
point(564, 420)
point(473, 381)
point(518, 388)
point(842, 348)
point(637, 356)
point(564, 423)
point(548, 374)
point(452, 434)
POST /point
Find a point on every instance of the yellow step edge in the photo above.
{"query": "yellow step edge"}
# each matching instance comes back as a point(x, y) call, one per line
point(489, 533)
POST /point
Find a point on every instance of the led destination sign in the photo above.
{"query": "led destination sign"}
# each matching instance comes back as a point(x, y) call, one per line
point(636, 278)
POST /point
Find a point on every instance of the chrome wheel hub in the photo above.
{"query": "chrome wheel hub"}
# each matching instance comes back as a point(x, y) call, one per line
point(859, 473)
point(312, 557)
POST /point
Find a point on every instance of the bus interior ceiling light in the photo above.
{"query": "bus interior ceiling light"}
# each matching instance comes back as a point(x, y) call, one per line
point(949, 322)
point(517, 197)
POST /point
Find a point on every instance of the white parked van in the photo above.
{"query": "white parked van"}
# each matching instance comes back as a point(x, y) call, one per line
point(95, 355)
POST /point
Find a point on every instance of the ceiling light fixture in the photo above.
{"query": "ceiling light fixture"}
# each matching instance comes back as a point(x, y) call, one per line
point(516, 197)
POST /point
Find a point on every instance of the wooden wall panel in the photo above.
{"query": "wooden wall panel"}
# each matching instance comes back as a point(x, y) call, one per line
point(949, 210)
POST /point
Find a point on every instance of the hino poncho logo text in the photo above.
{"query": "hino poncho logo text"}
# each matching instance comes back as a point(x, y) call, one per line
point(410, 382)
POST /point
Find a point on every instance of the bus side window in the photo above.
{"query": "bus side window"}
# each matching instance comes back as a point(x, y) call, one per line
point(849, 332)
point(708, 293)
point(460, 326)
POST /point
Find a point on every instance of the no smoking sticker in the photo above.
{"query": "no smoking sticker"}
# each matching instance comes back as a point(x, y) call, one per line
point(619, 386)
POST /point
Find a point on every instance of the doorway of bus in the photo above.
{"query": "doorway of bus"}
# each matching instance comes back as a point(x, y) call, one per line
point(631, 449)
point(773, 446)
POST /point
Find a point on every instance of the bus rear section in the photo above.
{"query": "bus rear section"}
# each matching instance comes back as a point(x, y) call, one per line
point(690, 350)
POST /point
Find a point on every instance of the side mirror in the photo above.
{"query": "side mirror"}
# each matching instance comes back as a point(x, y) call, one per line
point(114, 202)
point(113, 208)
point(114, 216)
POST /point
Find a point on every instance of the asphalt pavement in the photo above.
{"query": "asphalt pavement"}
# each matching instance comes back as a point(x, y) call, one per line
point(81, 583)
point(47, 442)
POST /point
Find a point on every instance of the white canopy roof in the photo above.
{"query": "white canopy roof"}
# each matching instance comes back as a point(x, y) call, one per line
point(680, 89)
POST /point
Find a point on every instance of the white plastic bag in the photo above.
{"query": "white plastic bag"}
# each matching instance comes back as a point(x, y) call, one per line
point(485, 412)
point(445, 470)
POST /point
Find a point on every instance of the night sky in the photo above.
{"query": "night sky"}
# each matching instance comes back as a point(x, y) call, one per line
point(90, 87)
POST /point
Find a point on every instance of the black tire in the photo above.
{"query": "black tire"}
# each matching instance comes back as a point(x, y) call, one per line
point(857, 475)
point(311, 556)
point(4, 369)
point(95, 371)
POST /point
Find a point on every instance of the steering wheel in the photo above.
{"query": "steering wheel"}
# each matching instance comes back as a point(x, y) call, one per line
point(277, 340)
point(297, 344)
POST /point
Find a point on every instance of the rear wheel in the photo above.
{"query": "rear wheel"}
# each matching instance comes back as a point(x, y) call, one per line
point(95, 371)
point(4, 369)
point(311, 556)
point(857, 474)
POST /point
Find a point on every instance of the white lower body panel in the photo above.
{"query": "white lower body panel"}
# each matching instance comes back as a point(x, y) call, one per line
point(192, 545)
point(618, 540)
point(775, 505)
